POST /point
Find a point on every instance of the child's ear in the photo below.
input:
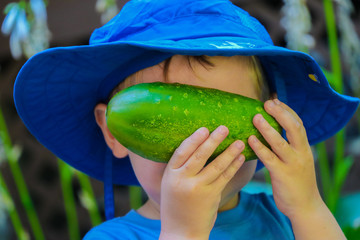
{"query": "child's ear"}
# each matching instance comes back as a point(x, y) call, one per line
point(118, 150)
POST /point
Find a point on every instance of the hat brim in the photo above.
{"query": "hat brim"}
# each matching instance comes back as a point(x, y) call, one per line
point(56, 91)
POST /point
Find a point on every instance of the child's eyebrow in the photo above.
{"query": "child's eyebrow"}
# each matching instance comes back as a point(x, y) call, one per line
point(203, 60)
point(134, 78)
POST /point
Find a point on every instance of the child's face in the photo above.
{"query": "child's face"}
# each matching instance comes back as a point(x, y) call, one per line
point(231, 74)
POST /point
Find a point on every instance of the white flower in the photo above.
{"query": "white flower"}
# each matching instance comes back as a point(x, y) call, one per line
point(15, 24)
point(15, 45)
point(38, 39)
point(107, 8)
point(10, 20)
point(349, 41)
point(27, 37)
point(39, 9)
point(297, 23)
point(22, 26)
point(100, 6)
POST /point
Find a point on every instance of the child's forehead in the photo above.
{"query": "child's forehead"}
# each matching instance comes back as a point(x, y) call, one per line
point(188, 67)
point(236, 74)
point(150, 74)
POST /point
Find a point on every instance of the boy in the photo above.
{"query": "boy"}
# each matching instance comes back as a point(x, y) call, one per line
point(204, 43)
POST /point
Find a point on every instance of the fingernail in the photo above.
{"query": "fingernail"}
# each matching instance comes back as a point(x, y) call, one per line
point(271, 103)
point(239, 144)
point(277, 101)
point(260, 118)
point(222, 130)
point(253, 139)
point(201, 131)
point(241, 158)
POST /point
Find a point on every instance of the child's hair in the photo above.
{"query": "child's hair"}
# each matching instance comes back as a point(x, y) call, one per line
point(262, 87)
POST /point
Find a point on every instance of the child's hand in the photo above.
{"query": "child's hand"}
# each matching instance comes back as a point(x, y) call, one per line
point(190, 192)
point(292, 172)
point(291, 164)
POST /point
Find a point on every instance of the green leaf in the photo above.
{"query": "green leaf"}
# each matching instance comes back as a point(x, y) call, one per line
point(329, 76)
point(352, 233)
point(23, 4)
point(325, 173)
point(342, 171)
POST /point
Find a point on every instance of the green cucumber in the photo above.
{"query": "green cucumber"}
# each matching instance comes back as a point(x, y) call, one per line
point(152, 119)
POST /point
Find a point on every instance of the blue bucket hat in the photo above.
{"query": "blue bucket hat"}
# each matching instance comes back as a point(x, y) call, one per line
point(56, 90)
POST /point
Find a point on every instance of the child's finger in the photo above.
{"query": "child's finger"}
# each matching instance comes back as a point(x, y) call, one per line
point(188, 147)
point(228, 173)
point(198, 159)
point(295, 131)
point(278, 144)
point(289, 109)
point(265, 155)
point(221, 163)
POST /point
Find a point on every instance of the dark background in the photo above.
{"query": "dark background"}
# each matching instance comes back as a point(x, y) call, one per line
point(71, 23)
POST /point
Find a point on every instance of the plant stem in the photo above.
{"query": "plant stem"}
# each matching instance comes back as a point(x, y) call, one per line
point(19, 180)
point(14, 216)
point(70, 208)
point(324, 171)
point(91, 206)
point(338, 86)
point(333, 45)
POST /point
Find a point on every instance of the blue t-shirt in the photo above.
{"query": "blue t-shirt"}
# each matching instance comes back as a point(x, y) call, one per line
point(256, 217)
